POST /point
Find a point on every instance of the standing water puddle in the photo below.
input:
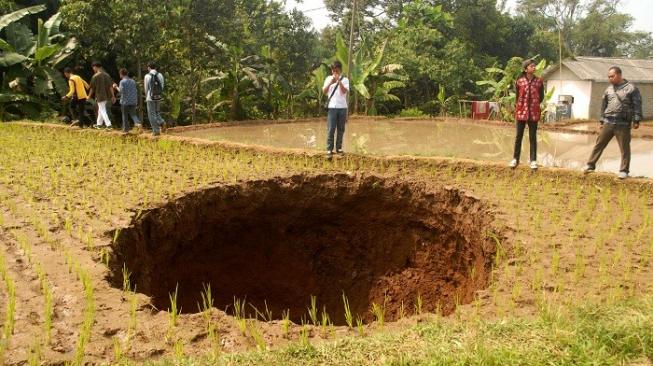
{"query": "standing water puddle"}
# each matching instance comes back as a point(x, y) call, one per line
point(446, 139)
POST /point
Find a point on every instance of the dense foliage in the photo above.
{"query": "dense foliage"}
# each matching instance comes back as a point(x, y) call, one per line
point(249, 59)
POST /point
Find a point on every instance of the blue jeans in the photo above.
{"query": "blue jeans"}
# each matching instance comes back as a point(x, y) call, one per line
point(129, 111)
point(336, 118)
point(154, 115)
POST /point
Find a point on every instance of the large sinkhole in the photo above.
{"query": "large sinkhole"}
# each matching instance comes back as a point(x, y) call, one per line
point(278, 242)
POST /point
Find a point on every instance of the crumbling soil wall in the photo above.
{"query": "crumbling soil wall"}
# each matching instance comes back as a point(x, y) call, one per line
point(277, 242)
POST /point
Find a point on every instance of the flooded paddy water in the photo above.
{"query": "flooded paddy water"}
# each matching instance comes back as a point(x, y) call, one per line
point(455, 139)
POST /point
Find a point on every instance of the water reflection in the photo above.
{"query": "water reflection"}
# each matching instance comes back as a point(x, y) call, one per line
point(430, 138)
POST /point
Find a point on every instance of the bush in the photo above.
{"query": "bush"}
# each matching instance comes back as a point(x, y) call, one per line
point(412, 112)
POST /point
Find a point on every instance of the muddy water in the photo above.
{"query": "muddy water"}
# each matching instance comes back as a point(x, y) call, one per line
point(429, 138)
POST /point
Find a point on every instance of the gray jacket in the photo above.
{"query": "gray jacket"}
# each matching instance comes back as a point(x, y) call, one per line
point(622, 104)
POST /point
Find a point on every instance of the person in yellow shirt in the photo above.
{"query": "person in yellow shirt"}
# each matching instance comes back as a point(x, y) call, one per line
point(77, 95)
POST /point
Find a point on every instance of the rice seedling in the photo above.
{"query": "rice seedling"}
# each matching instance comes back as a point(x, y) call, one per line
point(173, 311)
point(24, 245)
point(349, 319)
point(256, 333)
point(418, 304)
point(89, 318)
point(207, 303)
point(126, 286)
point(239, 314)
point(325, 322)
point(378, 311)
point(579, 265)
point(104, 256)
point(304, 335)
point(116, 235)
point(515, 293)
point(285, 323)
point(312, 311)
point(10, 309)
point(118, 352)
point(48, 312)
point(555, 261)
point(359, 326)
point(266, 314)
point(402, 310)
point(35, 354)
point(131, 326)
point(179, 351)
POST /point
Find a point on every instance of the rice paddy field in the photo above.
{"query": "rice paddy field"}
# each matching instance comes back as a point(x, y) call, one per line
point(125, 250)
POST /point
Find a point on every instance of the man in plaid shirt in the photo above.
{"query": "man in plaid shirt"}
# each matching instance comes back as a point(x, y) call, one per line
point(128, 100)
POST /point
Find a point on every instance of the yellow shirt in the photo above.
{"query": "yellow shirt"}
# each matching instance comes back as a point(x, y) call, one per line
point(78, 85)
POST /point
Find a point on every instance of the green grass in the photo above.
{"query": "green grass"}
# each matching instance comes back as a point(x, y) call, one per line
point(609, 334)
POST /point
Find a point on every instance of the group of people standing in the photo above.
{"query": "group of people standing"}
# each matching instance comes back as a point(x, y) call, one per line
point(103, 89)
point(621, 110)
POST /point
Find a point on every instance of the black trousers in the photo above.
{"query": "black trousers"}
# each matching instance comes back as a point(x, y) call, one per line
point(532, 138)
point(78, 107)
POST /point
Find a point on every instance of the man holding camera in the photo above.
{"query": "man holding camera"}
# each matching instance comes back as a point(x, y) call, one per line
point(336, 87)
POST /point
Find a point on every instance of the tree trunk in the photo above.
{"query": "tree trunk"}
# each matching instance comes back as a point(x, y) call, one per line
point(193, 97)
point(139, 72)
point(269, 88)
point(234, 100)
point(355, 102)
point(234, 104)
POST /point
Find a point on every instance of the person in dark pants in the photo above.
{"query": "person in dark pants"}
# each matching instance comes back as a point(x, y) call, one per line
point(336, 87)
point(529, 91)
point(128, 100)
point(77, 95)
point(621, 110)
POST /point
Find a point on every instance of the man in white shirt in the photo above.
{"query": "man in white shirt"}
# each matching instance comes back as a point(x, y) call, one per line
point(336, 87)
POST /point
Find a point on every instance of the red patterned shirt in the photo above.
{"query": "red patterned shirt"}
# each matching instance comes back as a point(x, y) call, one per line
point(530, 94)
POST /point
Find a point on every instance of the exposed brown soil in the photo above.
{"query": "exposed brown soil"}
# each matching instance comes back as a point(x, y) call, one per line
point(278, 242)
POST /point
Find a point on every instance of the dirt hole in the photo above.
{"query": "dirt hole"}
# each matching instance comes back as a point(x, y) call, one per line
point(278, 242)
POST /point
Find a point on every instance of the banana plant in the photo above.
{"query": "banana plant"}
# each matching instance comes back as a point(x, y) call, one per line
point(29, 63)
point(443, 102)
point(240, 79)
point(382, 81)
point(366, 73)
point(313, 91)
point(276, 86)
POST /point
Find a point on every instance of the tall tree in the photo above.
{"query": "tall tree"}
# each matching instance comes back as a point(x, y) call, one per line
point(587, 27)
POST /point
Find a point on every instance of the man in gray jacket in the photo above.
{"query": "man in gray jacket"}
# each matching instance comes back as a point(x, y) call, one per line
point(621, 108)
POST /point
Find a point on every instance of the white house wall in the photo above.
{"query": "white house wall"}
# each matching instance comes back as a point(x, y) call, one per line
point(598, 88)
point(565, 75)
point(647, 99)
point(581, 91)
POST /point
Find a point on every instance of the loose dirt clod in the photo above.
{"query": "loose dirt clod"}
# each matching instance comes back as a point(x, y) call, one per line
point(278, 242)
